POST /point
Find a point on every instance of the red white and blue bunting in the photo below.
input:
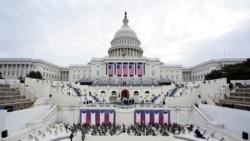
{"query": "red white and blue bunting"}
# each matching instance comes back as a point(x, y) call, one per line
point(151, 116)
point(96, 116)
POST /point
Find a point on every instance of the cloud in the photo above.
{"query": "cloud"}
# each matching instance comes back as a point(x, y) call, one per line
point(67, 32)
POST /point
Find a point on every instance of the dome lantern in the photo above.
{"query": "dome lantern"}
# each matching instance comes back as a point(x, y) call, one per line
point(125, 20)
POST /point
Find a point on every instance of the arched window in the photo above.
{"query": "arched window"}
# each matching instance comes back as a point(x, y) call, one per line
point(113, 93)
point(147, 92)
point(136, 93)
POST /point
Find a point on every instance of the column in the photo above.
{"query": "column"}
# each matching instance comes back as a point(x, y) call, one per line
point(114, 69)
point(7, 69)
point(64, 78)
point(127, 69)
point(144, 69)
point(11, 68)
point(24, 69)
point(122, 69)
point(68, 76)
point(135, 69)
point(3, 68)
point(15, 70)
point(20, 67)
point(64, 75)
point(29, 68)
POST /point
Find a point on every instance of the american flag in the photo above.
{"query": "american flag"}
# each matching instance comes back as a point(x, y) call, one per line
point(123, 52)
point(139, 69)
point(119, 69)
point(125, 69)
point(131, 69)
point(111, 69)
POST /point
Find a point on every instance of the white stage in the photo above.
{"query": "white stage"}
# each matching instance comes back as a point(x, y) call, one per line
point(121, 137)
point(126, 137)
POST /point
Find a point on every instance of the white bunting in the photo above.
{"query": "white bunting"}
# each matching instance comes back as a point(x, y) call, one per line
point(92, 118)
point(156, 117)
point(111, 117)
point(138, 117)
point(101, 117)
point(147, 118)
point(165, 118)
point(83, 118)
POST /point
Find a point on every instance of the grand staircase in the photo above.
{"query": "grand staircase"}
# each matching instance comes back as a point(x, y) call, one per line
point(239, 99)
point(11, 99)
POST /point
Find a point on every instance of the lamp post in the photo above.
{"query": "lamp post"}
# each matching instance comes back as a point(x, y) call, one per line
point(50, 98)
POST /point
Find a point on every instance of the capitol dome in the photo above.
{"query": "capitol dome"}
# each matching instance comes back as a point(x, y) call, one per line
point(125, 42)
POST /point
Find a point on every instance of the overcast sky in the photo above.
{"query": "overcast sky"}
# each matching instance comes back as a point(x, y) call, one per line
point(65, 32)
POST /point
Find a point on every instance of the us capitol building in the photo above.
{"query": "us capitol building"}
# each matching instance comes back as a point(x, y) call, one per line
point(124, 89)
point(125, 60)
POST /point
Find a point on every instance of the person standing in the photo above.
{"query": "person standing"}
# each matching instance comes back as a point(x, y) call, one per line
point(71, 136)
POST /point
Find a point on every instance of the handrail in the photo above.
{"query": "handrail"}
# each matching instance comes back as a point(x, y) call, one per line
point(50, 112)
point(200, 113)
